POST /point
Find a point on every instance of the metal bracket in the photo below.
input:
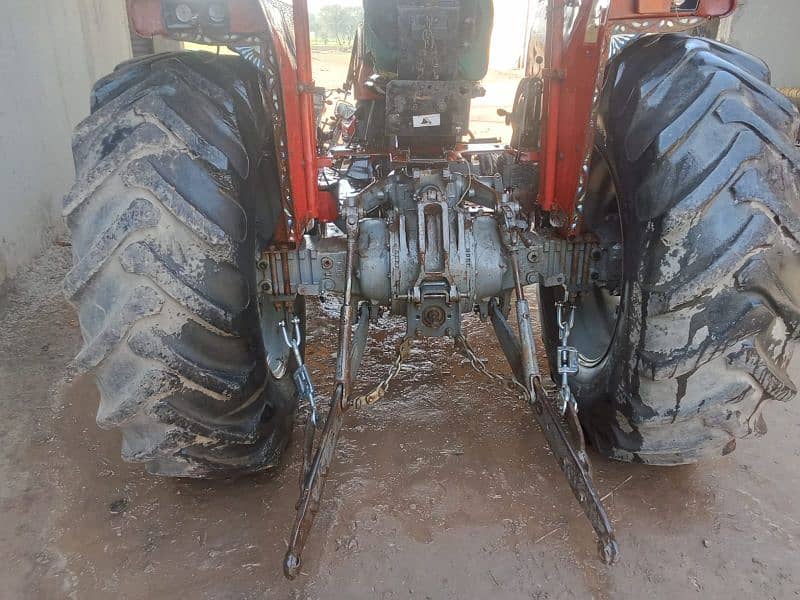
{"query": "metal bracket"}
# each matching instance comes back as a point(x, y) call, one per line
point(575, 465)
point(568, 365)
point(573, 461)
point(571, 456)
point(315, 472)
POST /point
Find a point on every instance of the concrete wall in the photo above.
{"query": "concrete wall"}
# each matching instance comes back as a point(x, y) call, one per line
point(51, 51)
point(768, 29)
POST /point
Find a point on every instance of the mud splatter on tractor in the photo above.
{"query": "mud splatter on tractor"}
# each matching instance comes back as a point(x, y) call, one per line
point(650, 191)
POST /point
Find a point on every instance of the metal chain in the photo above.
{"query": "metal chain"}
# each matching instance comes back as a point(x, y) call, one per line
point(430, 56)
point(434, 51)
point(379, 391)
point(424, 55)
point(401, 356)
point(302, 378)
point(510, 383)
point(567, 355)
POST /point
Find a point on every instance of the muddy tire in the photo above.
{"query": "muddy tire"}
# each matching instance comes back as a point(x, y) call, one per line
point(698, 153)
point(175, 195)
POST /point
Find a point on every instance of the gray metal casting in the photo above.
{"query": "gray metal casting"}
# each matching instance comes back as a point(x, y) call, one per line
point(429, 247)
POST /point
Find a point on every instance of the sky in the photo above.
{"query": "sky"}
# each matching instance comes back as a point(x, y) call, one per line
point(315, 5)
point(509, 27)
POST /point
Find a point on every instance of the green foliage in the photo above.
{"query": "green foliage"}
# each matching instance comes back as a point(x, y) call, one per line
point(336, 23)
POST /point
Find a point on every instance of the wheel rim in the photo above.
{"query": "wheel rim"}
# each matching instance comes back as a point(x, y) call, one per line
point(597, 314)
point(596, 319)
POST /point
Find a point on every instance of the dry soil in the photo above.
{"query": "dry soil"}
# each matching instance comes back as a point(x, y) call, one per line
point(445, 490)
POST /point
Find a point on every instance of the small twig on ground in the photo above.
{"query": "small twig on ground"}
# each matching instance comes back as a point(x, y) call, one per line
point(611, 493)
point(454, 452)
point(493, 578)
point(546, 535)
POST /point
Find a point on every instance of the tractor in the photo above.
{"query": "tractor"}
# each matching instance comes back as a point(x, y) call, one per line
point(649, 192)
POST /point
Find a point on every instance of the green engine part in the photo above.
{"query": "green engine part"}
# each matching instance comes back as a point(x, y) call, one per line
point(382, 43)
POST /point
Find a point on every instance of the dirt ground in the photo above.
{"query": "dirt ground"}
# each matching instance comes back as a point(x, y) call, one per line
point(445, 490)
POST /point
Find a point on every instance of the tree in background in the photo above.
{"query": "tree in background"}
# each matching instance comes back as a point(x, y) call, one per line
point(336, 22)
point(317, 31)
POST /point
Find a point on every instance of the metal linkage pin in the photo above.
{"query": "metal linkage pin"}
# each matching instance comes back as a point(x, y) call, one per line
point(302, 378)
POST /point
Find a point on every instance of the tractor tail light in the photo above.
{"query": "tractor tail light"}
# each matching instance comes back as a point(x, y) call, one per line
point(212, 21)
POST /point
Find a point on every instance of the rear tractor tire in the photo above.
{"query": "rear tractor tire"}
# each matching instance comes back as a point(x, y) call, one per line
point(176, 195)
point(697, 171)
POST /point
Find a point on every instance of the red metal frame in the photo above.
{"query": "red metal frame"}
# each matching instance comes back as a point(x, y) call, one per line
point(246, 17)
point(297, 88)
point(622, 10)
point(573, 74)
